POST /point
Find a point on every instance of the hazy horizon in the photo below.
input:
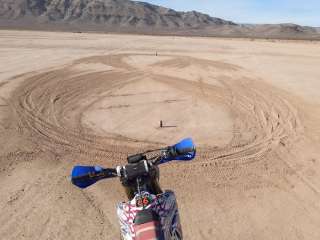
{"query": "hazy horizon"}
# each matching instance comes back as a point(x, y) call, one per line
point(252, 11)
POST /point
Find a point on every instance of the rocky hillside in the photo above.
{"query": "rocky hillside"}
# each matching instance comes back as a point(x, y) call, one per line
point(123, 13)
point(132, 16)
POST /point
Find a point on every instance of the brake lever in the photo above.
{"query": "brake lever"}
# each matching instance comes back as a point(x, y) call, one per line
point(157, 159)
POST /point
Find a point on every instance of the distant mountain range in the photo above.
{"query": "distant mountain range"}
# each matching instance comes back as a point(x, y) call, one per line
point(134, 17)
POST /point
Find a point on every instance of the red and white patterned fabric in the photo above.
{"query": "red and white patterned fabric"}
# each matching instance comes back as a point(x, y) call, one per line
point(164, 205)
point(147, 231)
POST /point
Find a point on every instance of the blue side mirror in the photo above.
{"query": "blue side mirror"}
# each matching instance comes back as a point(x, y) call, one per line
point(85, 176)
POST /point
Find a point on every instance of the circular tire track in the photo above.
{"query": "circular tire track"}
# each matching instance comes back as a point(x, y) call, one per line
point(50, 106)
point(48, 109)
point(263, 120)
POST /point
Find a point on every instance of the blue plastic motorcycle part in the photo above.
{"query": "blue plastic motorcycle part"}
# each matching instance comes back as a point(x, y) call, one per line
point(85, 176)
point(185, 146)
point(185, 150)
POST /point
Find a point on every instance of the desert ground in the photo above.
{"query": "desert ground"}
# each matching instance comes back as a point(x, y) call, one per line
point(251, 106)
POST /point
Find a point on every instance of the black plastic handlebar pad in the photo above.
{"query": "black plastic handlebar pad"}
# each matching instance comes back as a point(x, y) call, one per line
point(137, 169)
point(136, 158)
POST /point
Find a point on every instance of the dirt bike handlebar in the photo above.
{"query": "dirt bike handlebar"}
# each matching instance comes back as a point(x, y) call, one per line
point(138, 165)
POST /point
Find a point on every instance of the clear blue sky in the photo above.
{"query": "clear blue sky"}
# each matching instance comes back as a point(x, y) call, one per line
point(305, 12)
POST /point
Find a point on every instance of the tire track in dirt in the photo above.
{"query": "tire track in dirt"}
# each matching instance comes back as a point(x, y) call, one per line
point(268, 120)
point(264, 123)
point(48, 110)
point(50, 107)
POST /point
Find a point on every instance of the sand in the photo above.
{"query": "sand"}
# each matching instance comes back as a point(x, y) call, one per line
point(252, 108)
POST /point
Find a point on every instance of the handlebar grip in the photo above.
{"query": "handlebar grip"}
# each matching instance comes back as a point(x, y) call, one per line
point(174, 152)
point(184, 151)
point(109, 172)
